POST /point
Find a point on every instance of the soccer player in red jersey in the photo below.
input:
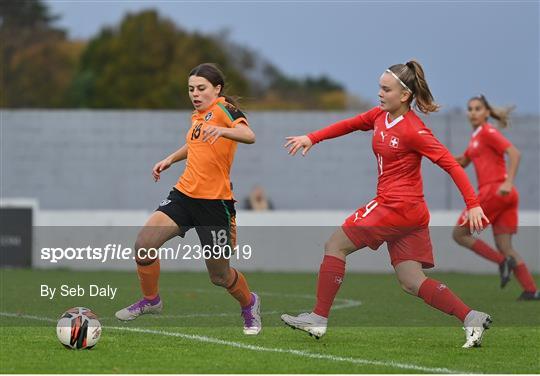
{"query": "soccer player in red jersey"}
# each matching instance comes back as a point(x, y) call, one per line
point(497, 194)
point(398, 215)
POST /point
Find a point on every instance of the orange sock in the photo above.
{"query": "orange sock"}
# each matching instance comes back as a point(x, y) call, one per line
point(149, 279)
point(238, 288)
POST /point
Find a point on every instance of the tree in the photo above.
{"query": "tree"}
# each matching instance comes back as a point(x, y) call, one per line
point(37, 61)
point(144, 63)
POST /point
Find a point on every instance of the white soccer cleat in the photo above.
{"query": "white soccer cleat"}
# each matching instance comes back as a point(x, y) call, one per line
point(476, 323)
point(142, 307)
point(311, 323)
point(252, 316)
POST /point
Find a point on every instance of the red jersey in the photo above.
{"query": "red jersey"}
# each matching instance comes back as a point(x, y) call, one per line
point(486, 150)
point(399, 146)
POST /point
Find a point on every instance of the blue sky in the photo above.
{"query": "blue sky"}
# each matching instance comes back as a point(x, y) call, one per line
point(466, 47)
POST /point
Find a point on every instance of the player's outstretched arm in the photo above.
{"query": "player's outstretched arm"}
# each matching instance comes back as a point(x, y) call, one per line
point(295, 143)
point(164, 164)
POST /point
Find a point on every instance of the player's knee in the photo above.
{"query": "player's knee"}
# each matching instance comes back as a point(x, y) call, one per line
point(503, 246)
point(145, 252)
point(219, 279)
point(409, 288)
point(458, 235)
point(332, 249)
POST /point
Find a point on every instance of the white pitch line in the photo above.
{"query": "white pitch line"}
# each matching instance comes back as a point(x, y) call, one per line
point(346, 303)
point(301, 353)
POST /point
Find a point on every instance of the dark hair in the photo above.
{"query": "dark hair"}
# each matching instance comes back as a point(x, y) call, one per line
point(412, 75)
point(214, 75)
point(501, 114)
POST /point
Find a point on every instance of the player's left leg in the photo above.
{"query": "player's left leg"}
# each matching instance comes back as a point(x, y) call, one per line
point(221, 274)
point(524, 277)
point(461, 235)
point(439, 296)
point(220, 238)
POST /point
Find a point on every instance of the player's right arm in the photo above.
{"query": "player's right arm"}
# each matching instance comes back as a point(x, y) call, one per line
point(363, 122)
point(178, 155)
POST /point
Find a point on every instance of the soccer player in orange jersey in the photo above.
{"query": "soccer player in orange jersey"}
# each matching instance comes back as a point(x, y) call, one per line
point(398, 215)
point(202, 198)
point(497, 194)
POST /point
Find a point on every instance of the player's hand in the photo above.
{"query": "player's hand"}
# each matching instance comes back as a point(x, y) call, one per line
point(505, 188)
point(159, 167)
point(212, 133)
point(475, 217)
point(296, 143)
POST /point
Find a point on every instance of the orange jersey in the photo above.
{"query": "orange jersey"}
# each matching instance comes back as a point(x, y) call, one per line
point(208, 165)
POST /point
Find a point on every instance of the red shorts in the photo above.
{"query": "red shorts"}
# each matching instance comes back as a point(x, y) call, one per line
point(403, 225)
point(502, 211)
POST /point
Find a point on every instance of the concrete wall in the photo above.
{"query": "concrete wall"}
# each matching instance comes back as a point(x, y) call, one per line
point(280, 241)
point(102, 160)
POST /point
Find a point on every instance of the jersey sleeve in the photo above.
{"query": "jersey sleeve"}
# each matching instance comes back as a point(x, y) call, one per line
point(496, 140)
point(233, 116)
point(424, 142)
point(362, 122)
point(448, 163)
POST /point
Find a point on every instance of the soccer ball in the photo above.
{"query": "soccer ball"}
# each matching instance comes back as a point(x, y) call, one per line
point(78, 328)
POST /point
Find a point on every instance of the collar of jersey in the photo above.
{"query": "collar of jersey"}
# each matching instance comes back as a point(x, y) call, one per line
point(394, 122)
point(216, 101)
point(477, 130)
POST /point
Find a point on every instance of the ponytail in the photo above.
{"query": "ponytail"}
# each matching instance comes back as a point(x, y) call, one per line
point(413, 77)
point(424, 101)
point(501, 114)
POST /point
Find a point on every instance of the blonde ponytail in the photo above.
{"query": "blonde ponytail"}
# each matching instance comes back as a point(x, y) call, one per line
point(501, 114)
point(413, 76)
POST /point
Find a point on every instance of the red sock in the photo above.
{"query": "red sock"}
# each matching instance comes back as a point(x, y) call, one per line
point(524, 278)
point(437, 295)
point(484, 250)
point(330, 278)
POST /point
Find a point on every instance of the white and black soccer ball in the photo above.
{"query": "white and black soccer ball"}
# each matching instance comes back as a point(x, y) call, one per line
point(78, 328)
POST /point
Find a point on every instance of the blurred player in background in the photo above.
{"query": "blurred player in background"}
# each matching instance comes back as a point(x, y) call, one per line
point(497, 194)
point(398, 214)
point(202, 198)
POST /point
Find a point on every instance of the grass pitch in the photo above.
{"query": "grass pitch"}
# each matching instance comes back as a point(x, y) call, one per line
point(374, 327)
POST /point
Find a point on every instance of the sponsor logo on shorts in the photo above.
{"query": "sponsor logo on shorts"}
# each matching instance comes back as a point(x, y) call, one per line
point(164, 202)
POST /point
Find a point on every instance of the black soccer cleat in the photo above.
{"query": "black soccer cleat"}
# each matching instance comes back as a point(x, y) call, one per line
point(529, 295)
point(505, 270)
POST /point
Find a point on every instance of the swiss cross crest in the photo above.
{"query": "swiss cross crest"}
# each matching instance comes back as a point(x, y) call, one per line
point(394, 142)
point(208, 116)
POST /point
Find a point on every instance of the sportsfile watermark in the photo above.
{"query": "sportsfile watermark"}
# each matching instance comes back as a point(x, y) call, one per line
point(96, 267)
point(111, 252)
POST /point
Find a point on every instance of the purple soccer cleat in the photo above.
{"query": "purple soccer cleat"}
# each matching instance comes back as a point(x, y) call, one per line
point(252, 316)
point(142, 307)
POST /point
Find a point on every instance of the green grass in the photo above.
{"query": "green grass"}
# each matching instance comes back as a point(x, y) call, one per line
point(376, 328)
